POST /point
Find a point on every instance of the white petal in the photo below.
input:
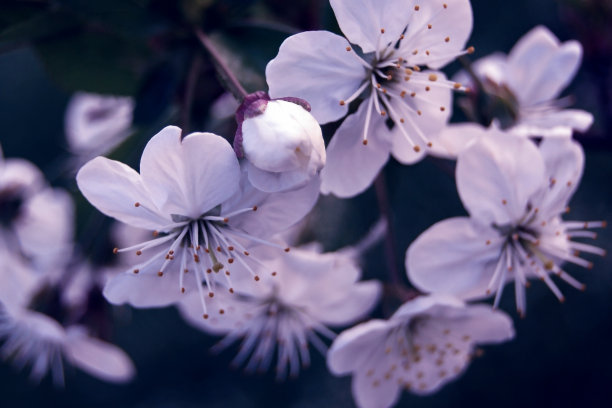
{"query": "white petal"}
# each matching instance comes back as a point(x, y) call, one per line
point(357, 301)
point(275, 211)
point(21, 173)
point(428, 304)
point(452, 20)
point(321, 71)
point(346, 354)
point(145, 289)
point(361, 21)
point(564, 160)
point(96, 123)
point(370, 394)
point(46, 226)
point(114, 188)
point(542, 67)
point(98, 358)
point(276, 182)
point(483, 324)
point(493, 67)
point(455, 138)
point(552, 123)
point(497, 175)
point(352, 166)
point(191, 176)
point(452, 257)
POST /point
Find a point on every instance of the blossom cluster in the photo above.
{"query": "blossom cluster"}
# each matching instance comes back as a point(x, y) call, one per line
point(212, 227)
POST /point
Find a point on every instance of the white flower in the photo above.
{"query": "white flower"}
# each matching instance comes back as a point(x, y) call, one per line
point(281, 141)
point(32, 338)
point(307, 292)
point(515, 194)
point(427, 342)
point(95, 124)
point(35, 220)
point(203, 213)
point(531, 79)
point(396, 39)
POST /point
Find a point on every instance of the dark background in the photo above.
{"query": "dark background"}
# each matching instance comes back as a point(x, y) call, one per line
point(561, 355)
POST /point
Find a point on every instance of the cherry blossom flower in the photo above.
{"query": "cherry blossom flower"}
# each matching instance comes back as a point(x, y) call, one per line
point(307, 292)
point(515, 194)
point(34, 338)
point(95, 124)
point(529, 80)
point(202, 210)
point(280, 140)
point(427, 342)
point(35, 219)
point(403, 105)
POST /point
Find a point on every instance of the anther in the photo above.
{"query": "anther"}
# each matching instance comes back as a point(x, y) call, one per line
point(433, 77)
point(254, 208)
point(182, 290)
point(211, 294)
point(115, 251)
point(155, 233)
point(246, 253)
point(442, 108)
point(256, 278)
point(231, 290)
point(427, 88)
point(504, 202)
point(429, 26)
point(365, 142)
point(160, 274)
point(205, 316)
point(447, 39)
point(382, 30)
point(230, 260)
point(287, 249)
point(136, 204)
point(416, 8)
point(348, 48)
point(417, 148)
point(470, 50)
point(139, 252)
point(226, 220)
point(342, 103)
point(136, 271)
point(230, 248)
point(419, 112)
point(445, 5)
point(456, 85)
point(274, 273)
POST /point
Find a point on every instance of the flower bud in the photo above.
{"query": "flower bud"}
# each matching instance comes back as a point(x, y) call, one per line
point(280, 140)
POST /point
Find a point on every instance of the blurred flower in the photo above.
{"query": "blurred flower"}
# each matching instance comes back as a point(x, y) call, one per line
point(35, 220)
point(290, 308)
point(202, 211)
point(526, 85)
point(428, 342)
point(95, 124)
point(281, 141)
point(32, 330)
point(515, 194)
point(402, 105)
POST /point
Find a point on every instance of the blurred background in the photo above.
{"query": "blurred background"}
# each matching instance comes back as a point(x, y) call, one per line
point(146, 49)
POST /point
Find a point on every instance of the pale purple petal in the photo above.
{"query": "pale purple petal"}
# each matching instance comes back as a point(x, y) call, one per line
point(316, 67)
point(455, 256)
point(114, 189)
point(189, 177)
point(352, 166)
point(497, 175)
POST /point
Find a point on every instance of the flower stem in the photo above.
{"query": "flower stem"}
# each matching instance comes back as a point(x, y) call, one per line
point(385, 212)
point(190, 85)
point(228, 76)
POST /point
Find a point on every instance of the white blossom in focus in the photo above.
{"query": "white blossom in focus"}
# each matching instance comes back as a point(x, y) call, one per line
point(428, 342)
point(515, 194)
point(404, 105)
point(290, 308)
point(95, 124)
point(281, 142)
point(202, 211)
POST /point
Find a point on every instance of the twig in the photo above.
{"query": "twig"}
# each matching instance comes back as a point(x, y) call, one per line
point(232, 82)
point(385, 212)
point(190, 85)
